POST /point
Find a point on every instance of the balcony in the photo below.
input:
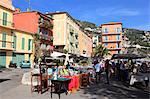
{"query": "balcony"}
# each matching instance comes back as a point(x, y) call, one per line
point(6, 45)
point(103, 34)
point(46, 24)
point(111, 41)
point(113, 49)
point(6, 24)
point(46, 37)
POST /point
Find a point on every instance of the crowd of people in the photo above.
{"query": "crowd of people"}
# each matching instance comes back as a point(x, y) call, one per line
point(120, 70)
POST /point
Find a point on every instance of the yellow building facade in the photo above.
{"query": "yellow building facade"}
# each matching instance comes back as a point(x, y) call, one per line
point(23, 47)
point(67, 33)
point(15, 45)
point(6, 31)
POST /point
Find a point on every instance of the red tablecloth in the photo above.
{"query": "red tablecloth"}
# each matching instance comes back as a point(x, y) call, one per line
point(74, 83)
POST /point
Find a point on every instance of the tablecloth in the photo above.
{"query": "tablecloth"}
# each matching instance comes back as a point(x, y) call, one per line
point(74, 83)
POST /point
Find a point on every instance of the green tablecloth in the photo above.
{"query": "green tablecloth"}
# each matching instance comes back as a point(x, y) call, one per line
point(60, 79)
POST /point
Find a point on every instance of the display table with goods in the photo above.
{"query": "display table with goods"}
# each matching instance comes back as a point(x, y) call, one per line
point(140, 77)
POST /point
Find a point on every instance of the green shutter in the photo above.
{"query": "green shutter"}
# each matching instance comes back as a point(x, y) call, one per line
point(29, 44)
point(32, 45)
point(15, 39)
point(23, 41)
point(4, 18)
point(4, 40)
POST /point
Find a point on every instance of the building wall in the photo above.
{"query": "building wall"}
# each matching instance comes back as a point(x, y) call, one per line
point(59, 29)
point(85, 44)
point(6, 7)
point(63, 25)
point(113, 38)
point(72, 31)
point(7, 4)
point(9, 17)
point(67, 32)
point(26, 21)
point(19, 35)
point(36, 23)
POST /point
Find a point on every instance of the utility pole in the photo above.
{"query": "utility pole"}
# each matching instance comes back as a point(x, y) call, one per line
point(29, 5)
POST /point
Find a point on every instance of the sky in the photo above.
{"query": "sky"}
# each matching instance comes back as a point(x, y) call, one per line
point(132, 13)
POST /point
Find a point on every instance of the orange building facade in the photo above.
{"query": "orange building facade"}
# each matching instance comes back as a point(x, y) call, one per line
point(33, 31)
point(112, 37)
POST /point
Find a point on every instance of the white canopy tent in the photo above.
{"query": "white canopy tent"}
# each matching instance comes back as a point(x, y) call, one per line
point(57, 54)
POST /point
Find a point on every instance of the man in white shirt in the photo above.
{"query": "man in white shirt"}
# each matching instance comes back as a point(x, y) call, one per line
point(97, 67)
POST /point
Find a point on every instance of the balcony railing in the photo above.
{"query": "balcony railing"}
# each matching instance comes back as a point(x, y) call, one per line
point(114, 48)
point(45, 24)
point(111, 41)
point(46, 37)
point(6, 45)
point(6, 23)
point(111, 33)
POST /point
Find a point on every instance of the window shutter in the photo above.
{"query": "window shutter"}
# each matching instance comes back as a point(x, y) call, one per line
point(4, 40)
point(15, 39)
point(4, 18)
point(23, 41)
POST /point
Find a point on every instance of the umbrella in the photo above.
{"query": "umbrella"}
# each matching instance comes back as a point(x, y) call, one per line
point(126, 56)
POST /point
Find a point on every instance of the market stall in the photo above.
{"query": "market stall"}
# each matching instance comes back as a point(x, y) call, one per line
point(136, 75)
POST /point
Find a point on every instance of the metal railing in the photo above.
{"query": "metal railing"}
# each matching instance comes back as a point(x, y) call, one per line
point(6, 23)
point(6, 45)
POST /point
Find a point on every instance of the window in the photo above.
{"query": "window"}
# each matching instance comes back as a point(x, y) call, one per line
point(117, 45)
point(23, 43)
point(76, 45)
point(4, 18)
point(118, 37)
point(105, 30)
point(106, 44)
point(106, 38)
point(118, 30)
point(95, 40)
point(14, 40)
point(4, 40)
point(45, 32)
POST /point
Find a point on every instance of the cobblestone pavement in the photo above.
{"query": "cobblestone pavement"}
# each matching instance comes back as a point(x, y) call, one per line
point(13, 89)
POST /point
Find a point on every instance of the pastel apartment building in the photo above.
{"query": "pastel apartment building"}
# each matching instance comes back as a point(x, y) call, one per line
point(68, 36)
point(6, 32)
point(85, 44)
point(112, 37)
point(29, 25)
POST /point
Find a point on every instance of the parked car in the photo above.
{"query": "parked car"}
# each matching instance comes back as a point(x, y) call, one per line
point(25, 64)
point(12, 64)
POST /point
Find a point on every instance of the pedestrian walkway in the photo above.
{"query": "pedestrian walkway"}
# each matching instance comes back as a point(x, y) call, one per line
point(115, 90)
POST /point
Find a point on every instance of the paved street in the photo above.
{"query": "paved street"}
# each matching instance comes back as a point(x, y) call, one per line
point(12, 88)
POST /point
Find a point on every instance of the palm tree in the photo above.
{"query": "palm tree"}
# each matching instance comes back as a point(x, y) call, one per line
point(100, 51)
